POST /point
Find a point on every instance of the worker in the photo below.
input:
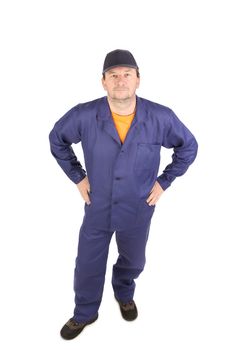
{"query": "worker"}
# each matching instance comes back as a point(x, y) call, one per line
point(121, 136)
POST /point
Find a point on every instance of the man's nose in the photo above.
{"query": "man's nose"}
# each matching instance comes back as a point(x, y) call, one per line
point(121, 80)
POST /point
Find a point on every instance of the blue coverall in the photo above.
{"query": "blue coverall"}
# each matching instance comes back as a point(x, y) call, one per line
point(121, 177)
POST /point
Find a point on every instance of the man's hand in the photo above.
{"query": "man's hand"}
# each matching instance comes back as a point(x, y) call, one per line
point(84, 189)
point(155, 194)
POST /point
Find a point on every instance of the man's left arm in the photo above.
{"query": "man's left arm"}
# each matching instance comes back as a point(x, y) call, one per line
point(176, 136)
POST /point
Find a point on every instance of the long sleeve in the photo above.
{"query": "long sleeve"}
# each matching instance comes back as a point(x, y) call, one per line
point(184, 144)
point(65, 132)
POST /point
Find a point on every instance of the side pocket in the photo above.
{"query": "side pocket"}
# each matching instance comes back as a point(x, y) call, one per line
point(145, 211)
point(90, 196)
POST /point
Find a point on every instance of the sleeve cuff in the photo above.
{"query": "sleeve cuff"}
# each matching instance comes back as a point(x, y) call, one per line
point(164, 181)
point(79, 177)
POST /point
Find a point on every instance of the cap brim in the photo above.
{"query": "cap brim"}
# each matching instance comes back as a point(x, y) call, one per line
point(120, 65)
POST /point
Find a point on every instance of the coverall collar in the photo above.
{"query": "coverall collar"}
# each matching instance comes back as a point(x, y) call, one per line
point(104, 115)
point(104, 112)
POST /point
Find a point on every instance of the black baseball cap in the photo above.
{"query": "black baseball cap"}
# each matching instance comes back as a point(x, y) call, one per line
point(118, 58)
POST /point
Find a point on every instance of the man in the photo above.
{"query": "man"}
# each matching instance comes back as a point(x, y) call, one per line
point(121, 136)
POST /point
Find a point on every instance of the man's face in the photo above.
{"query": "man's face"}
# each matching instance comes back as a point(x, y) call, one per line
point(121, 83)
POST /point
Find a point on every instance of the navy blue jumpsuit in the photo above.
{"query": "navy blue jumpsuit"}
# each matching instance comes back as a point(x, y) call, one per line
point(121, 177)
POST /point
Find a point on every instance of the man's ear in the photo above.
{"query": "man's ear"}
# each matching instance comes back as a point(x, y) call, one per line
point(103, 83)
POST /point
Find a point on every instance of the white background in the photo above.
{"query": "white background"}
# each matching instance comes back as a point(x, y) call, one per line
point(52, 54)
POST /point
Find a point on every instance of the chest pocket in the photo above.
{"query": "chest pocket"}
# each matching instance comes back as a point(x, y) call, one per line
point(147, 156)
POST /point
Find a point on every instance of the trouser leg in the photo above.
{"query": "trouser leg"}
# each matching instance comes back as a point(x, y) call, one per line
point(131, 260)
point(89, 274)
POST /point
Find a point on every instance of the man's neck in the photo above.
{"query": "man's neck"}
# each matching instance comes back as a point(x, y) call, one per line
point(122, 107)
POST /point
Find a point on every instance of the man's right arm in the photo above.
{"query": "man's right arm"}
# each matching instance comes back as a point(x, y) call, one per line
point(66, 131)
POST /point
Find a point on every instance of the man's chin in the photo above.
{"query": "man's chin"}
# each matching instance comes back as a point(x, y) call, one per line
point(121, 96)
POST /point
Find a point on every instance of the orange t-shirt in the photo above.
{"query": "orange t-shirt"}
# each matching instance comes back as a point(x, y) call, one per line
point(122, 123)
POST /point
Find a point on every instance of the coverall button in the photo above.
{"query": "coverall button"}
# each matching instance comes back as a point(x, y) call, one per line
point(115, 202)
point(117, 178)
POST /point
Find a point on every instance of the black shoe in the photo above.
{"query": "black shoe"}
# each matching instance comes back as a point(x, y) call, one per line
point(72, 328)
point(128, 310)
